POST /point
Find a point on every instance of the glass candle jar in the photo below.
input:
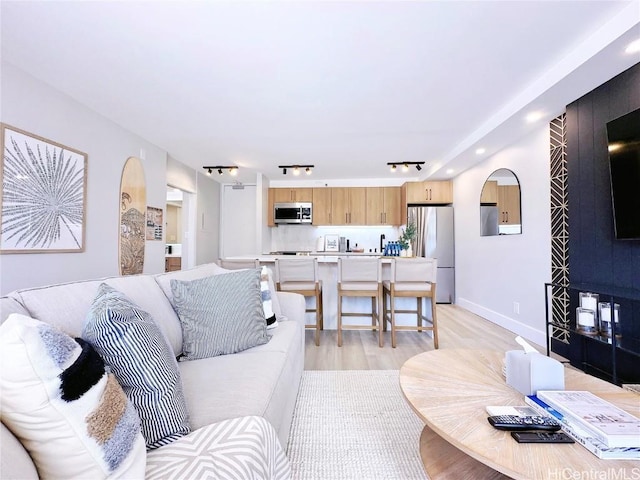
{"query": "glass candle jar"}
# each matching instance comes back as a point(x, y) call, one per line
point(586, 321)
point(605, 316)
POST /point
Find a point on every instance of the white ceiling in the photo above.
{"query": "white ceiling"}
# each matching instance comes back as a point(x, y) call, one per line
point(346, 86)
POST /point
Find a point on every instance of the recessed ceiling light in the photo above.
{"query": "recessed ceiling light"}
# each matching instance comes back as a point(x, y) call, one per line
point(534, 116)
point(480, 151)
point(633, 47)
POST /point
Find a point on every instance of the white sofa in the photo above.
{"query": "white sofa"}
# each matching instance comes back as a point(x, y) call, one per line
point(262, 381)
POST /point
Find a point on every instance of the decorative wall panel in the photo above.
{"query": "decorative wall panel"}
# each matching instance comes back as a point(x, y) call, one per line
point(559, 227)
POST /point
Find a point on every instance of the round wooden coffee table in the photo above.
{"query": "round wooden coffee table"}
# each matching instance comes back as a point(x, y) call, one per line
point(449, 390)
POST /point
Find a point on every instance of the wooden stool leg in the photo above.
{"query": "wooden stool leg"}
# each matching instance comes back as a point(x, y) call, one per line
point(321, 307)
point(419, 309)
point(435, 322)
point(318, 320)
point(339, 319)
point(392, 301)
point(380, 337)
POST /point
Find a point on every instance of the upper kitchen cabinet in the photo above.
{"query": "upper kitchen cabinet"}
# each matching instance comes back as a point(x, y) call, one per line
point(489, 193)
point(429, 192)
point(383, 206)
point(289, 195)
point(509, 204)
point(322, 206)
point(348, 205)
point(286, 195)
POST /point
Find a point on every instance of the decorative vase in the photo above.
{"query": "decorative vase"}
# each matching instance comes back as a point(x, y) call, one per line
point(409, 251)
point(403, 253)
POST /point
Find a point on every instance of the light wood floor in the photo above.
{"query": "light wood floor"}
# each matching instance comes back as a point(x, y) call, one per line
point(457, 328)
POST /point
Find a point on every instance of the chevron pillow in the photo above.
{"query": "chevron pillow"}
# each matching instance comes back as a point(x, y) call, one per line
point(239, 448)
point(221, 314)
point(56, 397)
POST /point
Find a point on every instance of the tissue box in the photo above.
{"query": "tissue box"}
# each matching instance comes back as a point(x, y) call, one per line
point(530, 372)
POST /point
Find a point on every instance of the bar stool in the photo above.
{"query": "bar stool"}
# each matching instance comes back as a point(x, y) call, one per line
point(411, 277)
point(300, 275)
point(239, 264)
point(360, 277)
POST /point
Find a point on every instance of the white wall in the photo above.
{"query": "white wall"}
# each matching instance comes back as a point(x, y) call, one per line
point(494, 272)
point(33, 106)
point(208, 222)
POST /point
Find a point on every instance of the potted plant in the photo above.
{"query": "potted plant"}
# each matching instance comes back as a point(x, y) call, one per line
point(406, 239)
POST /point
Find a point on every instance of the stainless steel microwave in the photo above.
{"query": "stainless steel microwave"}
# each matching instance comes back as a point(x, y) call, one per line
point(294, 213)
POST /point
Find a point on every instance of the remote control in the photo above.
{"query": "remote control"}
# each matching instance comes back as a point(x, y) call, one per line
point(542, 437)
point(517, 423)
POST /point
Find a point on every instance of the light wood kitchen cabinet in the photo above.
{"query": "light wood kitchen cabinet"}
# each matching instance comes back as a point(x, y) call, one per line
point(429, 192)
point(383, 206)
point(322, 206)
point(348, 205)
point(489, 193)
point(172, 264)
point(508, 205)
point(288, 195)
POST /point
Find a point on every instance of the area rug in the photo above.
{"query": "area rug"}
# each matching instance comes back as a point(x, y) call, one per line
point(354, 424)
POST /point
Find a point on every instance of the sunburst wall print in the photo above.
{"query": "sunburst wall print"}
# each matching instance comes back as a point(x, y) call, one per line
point(44, 183)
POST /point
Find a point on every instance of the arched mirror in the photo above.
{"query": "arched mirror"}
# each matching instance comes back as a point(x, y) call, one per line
point(500, 204)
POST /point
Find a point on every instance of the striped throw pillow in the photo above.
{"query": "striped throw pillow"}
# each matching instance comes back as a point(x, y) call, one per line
point(137, 353)
point(69, 413)
point(267, 303)
point(221, 314)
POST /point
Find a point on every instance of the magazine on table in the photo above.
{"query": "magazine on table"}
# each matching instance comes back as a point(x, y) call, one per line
point(609, 424)
point(582, 436)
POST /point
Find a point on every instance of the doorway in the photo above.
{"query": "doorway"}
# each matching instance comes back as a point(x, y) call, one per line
point(180, 221)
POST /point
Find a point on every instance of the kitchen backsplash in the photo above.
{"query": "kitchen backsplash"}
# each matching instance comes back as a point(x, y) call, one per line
point(304, 238)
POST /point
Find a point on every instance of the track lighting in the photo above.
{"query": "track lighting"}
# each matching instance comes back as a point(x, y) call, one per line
point(233, 170)
point(296, 169)
point(405, 165)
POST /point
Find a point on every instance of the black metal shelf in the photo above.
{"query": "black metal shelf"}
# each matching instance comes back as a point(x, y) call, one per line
point(625, 344)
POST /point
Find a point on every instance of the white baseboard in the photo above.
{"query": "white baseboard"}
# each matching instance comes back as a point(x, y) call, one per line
point(530, 334)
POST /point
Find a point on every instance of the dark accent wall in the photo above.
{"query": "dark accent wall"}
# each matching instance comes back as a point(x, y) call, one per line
point(597, 261)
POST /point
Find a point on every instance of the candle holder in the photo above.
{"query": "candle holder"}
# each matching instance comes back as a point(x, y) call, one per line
point(586, 321)
point(605, 316)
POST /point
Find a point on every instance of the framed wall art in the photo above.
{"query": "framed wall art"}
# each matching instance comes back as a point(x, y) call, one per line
point(43, 202)
point(154, 223)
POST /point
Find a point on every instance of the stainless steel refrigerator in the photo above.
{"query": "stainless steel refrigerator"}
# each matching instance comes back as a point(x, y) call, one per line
point(435, 239)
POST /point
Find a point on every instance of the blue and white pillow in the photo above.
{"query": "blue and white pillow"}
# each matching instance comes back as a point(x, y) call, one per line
point(137, 353)
point(55, 396)
point(221, 314)
point(267, 303)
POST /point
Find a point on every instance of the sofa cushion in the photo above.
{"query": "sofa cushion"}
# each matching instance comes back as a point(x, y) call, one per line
point(221, 314)
point(56, 397)
point(239, 448)
point(135, 350)
point(207, 270)
point(10, 305)
point(66, 305)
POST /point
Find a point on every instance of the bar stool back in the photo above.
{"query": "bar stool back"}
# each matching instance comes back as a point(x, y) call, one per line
point(239, 264)
point(300, 275)
point(411, 277)
point(360, 277)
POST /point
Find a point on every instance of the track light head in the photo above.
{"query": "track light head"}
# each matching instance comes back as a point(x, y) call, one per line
point(418, 167)
point(209, 171)
point(233, 171)
point(308, 170)
point(296, 170)
point(405, 167)
point(393, 168)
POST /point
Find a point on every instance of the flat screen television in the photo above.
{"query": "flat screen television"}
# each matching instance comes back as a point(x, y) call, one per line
point(624, 166)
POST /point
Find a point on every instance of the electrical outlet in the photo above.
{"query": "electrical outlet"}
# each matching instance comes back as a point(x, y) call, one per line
point(516, 308)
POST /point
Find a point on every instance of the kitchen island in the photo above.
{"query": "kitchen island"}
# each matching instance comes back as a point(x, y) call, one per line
point(328, 272)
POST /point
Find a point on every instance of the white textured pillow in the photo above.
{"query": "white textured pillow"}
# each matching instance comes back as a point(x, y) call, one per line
point(221, 314)
point(72, 417)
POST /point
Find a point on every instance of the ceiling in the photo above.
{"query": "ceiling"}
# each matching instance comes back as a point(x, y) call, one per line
point(345, 86)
